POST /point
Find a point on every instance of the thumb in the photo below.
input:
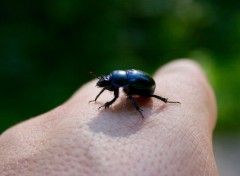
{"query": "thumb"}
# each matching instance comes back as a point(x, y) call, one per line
point(185, 80)
point(186, 129)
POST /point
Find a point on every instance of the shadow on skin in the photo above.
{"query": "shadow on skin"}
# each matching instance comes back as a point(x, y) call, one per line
point(122, 119)
point(163, 106)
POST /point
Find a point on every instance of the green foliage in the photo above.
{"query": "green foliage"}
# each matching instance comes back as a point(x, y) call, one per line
point(47, 48)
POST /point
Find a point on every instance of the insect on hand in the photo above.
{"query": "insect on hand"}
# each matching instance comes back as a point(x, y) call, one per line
point(133, 82)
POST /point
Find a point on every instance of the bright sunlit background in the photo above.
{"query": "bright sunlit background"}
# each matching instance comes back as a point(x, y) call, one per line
point(47, 49)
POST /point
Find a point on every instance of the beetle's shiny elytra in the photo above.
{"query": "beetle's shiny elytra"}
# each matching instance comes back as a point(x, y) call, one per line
point(133, 82)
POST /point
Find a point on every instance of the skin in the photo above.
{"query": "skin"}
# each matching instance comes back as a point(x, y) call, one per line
point(78, 139)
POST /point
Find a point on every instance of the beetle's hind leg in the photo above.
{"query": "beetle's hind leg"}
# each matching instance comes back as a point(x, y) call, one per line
point(135, 104)
point(165, 100)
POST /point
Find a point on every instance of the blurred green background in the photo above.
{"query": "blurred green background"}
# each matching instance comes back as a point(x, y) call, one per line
point(47, 48)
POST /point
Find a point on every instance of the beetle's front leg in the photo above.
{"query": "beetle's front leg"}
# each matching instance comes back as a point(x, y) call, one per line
point(98, 95)
point(116, 95)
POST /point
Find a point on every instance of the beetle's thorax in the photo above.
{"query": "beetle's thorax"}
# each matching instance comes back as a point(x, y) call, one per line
point(119, 78)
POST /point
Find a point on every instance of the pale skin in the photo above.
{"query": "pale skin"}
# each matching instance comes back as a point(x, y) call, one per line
point(77, 139)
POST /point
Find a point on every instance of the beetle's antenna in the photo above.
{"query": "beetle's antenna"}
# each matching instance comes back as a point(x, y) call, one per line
point(91, 73)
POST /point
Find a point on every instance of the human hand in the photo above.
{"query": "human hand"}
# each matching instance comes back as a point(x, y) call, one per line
point(77, 139)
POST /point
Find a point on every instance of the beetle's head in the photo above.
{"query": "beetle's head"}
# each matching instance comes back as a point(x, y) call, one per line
point(104, 81)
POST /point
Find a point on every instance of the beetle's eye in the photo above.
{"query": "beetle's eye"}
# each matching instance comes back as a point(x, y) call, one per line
point(107, 78)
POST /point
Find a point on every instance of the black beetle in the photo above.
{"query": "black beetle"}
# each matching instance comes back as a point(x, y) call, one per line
point(133, 82)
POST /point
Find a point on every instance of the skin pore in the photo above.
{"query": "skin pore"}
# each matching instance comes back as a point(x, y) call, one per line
point(78, 139)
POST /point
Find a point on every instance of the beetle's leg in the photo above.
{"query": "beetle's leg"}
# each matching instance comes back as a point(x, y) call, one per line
point(107, 104)
point(136, 105)
point(98, 95)
point(165, 100)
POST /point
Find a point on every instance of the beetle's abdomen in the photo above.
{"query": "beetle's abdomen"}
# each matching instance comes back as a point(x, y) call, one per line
point(119, 78)
point(139, 83)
